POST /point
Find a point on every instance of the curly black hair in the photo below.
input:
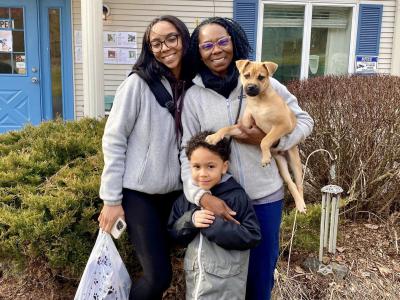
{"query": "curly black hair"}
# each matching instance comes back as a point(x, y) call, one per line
point(222, 148)
point(241, 45)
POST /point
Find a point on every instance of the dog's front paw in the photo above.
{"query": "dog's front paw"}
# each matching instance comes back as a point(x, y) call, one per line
point(264, 165)
point(213, 138)
point(266, 160)
point(301, 207)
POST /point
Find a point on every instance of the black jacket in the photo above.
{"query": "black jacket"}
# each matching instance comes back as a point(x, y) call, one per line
point(226, 234)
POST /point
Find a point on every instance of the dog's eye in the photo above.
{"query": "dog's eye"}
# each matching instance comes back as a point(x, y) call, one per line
point(261, 77)
point(247, 76)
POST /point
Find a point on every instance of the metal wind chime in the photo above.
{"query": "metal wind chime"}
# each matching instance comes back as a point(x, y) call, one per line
point(329, 215)
point(329, 218)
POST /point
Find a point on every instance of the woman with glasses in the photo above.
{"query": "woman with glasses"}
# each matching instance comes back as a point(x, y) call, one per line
point(215, 101)
point(141, 176)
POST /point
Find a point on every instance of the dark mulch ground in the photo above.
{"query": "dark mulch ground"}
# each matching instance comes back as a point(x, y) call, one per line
point(369, 248)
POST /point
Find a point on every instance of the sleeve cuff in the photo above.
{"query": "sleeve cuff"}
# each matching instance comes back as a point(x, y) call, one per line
point(193, 216)
point(112, 203)
point(199, 195)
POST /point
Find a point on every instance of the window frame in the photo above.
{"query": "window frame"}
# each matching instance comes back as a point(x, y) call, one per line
point(308, 9)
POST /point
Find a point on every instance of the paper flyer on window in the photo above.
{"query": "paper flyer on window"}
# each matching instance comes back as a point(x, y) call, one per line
point(119, 47)
point(119, 39)
point(120, 56)
point(6, 42)
point(78, 38)
point(111, 55)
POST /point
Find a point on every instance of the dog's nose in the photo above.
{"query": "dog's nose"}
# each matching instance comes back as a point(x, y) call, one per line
point(252, 89)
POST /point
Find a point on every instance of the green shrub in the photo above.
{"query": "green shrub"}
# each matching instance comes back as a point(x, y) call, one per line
point(306, 236)
point(49, 182)
point(357, 119)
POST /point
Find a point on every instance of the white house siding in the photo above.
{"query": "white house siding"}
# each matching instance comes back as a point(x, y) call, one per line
point(131, 15)
point(387, 30)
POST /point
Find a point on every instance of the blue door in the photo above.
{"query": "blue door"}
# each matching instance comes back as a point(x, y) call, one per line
point(35, 62)
point(20, 92)
point(56, 57)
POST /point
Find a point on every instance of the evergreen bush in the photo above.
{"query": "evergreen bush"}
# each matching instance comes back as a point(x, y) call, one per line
point(49, 182)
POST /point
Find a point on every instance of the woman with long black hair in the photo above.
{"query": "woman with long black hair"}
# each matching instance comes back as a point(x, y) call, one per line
point(141, 176)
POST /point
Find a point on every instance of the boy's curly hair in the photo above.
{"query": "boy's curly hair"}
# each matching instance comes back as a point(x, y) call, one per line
point(222, 148)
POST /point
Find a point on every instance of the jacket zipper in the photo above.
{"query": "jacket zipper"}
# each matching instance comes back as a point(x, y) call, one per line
point(141, 173)
point(196, 295)
point(237, 158)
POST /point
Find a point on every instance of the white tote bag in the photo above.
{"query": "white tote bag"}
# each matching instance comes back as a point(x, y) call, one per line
point(105, 276)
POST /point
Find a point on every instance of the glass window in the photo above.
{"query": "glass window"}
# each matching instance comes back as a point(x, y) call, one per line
point(330, 40)
point(19, 63)
point(12, 41)
point(5, 63)
point(17, 16)
point(283, 39)
point(18, 41)
point(55, 58)
point(4, 13)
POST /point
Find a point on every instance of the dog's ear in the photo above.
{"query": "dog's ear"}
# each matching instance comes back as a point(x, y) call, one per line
point(241, 64)
point(271, 67)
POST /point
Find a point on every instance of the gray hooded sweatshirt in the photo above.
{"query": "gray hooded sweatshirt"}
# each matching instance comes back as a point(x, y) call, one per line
point(205, 109)
point(139, 144)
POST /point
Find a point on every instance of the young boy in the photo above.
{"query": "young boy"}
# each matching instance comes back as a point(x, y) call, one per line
point(217, 257)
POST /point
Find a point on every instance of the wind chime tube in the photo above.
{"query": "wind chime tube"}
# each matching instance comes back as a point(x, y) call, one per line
point(322, 228)
point(332, 225)
point(326, 226)
point(336, 223)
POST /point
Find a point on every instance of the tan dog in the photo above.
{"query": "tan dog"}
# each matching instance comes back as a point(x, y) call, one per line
point(273, 116)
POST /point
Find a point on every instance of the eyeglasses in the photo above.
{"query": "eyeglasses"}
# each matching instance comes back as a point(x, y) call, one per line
point(170, 41)
point(221, 43)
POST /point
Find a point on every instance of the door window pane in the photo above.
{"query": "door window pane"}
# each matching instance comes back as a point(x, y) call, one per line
point(17, 16)
point(6, 41)
point(283, 39)
point(330, 40)
point(5, 63)
point(55, 59)
point(19, 63)
point(4, 13)
point(18, 41)
point(12, 43)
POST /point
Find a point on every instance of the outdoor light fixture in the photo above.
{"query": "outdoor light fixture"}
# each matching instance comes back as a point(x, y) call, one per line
point(106, 11)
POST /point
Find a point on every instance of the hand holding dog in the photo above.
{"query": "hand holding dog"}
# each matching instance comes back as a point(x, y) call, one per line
point(218, 207)
point(252, 135)
point(203, 218)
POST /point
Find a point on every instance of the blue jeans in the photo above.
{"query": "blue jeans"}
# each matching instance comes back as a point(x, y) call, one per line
point(263, 258)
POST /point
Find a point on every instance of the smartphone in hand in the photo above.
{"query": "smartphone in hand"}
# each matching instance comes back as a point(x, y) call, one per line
point(118, 228)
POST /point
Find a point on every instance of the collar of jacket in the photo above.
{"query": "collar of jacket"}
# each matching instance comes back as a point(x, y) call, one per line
point(236, 91)
point(225, 186)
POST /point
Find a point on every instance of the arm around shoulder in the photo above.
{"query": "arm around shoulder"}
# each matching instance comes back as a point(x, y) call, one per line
point(191, 126)
point(233, 236)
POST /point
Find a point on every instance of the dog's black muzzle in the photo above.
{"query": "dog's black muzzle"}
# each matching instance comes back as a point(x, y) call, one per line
point(252, 90)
